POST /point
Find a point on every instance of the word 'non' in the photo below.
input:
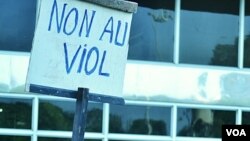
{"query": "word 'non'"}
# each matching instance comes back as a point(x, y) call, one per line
point(70, 21)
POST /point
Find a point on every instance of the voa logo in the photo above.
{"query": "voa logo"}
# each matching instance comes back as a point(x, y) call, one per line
point(236, 132)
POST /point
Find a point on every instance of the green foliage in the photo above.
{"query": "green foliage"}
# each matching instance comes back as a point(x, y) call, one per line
point(115, 125)
point(227, 55)
point(203, 129)
point(221, 118)
point(94, 120)
point(247, 51)
point(140, 126)
point(15, 115)
point(14, 138)
point(245, 118)
point(53, 118)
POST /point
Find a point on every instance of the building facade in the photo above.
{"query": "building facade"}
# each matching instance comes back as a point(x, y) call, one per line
point(187, 75)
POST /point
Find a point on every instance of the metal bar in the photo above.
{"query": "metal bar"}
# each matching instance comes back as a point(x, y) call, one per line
point(106, 99)
point(177, 32)
point(187, 105)
point(173, 122)
point(66, 134)
point(131, 102)
point(35, 108)
point(105, 121)
point(197, 139)
point(80, 114)
point(133, 137)
point(239, 117)
point(16, 132)
point(241, 35)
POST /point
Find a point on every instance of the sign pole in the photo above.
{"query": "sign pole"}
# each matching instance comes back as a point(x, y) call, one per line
point(100, 59)
point(80, 114)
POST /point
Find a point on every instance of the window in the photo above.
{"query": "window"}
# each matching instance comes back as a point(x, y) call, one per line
point(202, 122)
point(14, 138)
point(146, 120)
point(247, 36)
point(245, 118)
point(17, 22)
point(152, 31)
point(59, 115)
point(209, 32)
point(11, 113)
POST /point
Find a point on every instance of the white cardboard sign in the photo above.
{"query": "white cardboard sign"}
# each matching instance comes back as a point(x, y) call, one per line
point(80, 44)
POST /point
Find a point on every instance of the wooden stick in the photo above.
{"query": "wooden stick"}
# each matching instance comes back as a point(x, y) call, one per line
point(80, 114)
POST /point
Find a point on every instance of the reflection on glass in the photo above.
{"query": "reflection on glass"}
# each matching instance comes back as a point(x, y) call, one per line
point(139, 120)
point(152, 31)
point(60, 139)
point(17, 22)
point(247, 36)
point(202, 122)
point(209, 32)
point(245, 118)
point(58, 115)
point(14, 138)
point(12, 113)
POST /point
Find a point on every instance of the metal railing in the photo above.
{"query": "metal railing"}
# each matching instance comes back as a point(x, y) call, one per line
point(105, 135)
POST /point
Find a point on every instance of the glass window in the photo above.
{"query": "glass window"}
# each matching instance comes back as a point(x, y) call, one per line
point(14, 138)
point(12, 113)
point(245, 118)
point(17, 22)
point(59, 115)
point(247, 35)
point(202, 122)
point(209, 32)
point(152, 31)
point(139, 120)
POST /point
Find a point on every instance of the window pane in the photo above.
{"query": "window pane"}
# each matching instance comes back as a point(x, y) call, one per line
point(17, 22)
point(14, 138)
point(209, 32)
point(247, 36)
point(58, 115)
point(139, 120)
point(152, 31)
point(245, 118)
point(202, 122)
point(12, 113)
